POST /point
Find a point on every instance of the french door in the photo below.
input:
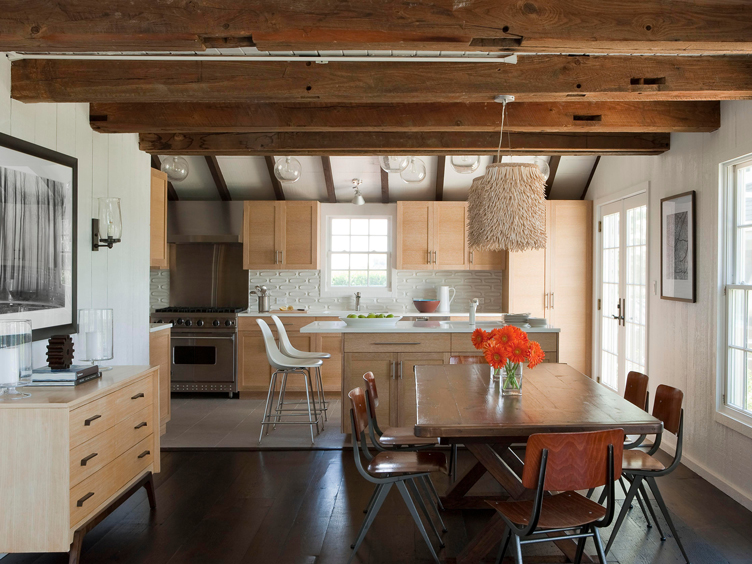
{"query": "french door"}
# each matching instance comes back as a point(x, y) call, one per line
point(623, 290)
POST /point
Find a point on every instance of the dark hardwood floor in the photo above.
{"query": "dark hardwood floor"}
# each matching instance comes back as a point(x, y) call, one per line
point(304, 507)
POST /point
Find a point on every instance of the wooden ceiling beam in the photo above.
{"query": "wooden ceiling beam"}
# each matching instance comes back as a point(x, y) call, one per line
point(218, 177)
point(279, 193)
point(535, 78)
point(384, 186)
point(607, 117)
point(553, 167)
point(326, 163)
point(590, 178)
point(172, 195)
point(440, 167)
point(532, 26)
point(417, 143)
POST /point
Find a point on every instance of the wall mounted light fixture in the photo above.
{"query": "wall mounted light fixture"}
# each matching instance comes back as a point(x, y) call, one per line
point(108, 228)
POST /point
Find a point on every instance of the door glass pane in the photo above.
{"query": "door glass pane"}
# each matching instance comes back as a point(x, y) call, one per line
point(736, 378)
point(610, 293)
point(635, 310)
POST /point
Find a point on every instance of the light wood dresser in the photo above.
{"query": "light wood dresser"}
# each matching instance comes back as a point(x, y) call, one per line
point(70, 456)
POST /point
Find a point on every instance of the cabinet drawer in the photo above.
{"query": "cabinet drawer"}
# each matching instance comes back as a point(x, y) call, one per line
point(397, 342)
point(134, 429)
point(292, 323)
point(92, 419)
point(547, 341)
point(89, 457)
point(135, 460)
point(134, 397)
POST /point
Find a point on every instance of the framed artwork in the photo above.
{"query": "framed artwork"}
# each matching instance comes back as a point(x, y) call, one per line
point(38, 220)
point(678, 263)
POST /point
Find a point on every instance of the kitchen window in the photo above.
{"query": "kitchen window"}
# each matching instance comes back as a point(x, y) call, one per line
point(737, 391)
point(358, 255)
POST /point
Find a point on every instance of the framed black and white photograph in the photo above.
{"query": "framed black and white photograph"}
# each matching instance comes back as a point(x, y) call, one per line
point(678, 247)
point(38, 208)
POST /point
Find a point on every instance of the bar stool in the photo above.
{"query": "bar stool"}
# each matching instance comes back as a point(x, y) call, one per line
point(285, 365)
point(285, 347)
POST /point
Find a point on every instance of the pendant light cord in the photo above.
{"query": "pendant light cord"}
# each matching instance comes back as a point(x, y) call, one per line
point(501, 131)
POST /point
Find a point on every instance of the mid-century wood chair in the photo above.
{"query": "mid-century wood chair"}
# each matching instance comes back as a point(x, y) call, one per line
point(390, 468)
point(564, 462)
point(639, 466)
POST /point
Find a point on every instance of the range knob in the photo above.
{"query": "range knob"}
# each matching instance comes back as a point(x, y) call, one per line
point(159, 321)
point(179, 321)
point(200, 323)
point(188, 322)
point(215, 323)
point(228, 323)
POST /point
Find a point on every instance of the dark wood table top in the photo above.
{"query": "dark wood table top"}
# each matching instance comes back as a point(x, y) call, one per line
point(458, 401)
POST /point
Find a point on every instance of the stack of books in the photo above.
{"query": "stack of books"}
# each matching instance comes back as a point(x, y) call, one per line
point(72, 376)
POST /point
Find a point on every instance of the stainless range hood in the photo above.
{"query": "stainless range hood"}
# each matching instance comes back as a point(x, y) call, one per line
point(205, 222)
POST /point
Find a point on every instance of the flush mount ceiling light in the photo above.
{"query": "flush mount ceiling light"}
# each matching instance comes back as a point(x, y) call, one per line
point(393, 164)
point(176, 168)
point(506, 206)
point(415, 170)
point(287, 169)
point(358, 200)
point(465, 164)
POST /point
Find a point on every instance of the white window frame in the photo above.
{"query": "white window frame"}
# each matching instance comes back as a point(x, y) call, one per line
point(347, 211)
point(726, 414)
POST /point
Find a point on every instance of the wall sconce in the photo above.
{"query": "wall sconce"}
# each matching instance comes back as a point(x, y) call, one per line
point(110, 222)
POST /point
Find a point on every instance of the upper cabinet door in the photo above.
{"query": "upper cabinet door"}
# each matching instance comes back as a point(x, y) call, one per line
point(262, 233)
point(300, 245)
point(488, 260)
point(158, 253)
point(415, 236)
point(450, 240)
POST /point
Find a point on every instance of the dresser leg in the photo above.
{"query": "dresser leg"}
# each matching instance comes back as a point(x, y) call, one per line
point(149, 485)
point(75, 548)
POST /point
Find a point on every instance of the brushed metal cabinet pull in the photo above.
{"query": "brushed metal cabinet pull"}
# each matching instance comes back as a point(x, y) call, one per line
point(138, 395)
point(552, 300)
point(472, 257)
point(85, 460)
point(401, 369)
point(392, 368)
point(395, 343)
point(142, 424)
point(145, 453)
point(90, 420)
point(281, 257)
point(80, 502)
point(434, 257)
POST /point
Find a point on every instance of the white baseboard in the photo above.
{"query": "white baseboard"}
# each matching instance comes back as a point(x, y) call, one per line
point(732, 491)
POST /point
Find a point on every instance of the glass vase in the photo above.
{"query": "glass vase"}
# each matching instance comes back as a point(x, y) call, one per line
point(511, 380)
point(15, 357)
point(95, 336)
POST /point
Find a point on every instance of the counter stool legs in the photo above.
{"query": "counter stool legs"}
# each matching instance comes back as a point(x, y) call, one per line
point(273, 416)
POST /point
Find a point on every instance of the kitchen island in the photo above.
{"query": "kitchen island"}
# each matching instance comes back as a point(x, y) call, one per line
point(392, 352)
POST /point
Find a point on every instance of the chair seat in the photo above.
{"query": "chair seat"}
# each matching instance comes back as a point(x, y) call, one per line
point(564, 510)
point(305, 355)
point(398, 462)
point(404, 436)
point(634, 460)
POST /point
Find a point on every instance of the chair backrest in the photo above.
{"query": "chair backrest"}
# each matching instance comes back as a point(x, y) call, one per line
point(636, 390)
point(373, 393)
point(576, 461)
point(667, 407)
point(358, 405)
point(467, 360)
point(285, 346)
point(275, 357)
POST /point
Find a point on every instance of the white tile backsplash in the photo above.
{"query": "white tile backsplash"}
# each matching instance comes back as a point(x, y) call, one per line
point(159, 289)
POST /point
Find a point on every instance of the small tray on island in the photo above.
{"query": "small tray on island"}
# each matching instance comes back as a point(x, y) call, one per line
point(371, 321)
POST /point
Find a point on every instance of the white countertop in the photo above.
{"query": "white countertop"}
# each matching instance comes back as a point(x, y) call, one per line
point(346, 313)
point(414, 327)
point(158, 327)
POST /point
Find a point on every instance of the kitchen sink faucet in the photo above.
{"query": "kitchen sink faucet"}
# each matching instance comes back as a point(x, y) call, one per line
point(357, 301)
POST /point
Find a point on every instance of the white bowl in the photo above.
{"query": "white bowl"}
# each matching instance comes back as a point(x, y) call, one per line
point(371, 321)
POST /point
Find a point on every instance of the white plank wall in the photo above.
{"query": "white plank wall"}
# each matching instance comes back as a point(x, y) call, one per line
point(682, 337)
point(108, 165)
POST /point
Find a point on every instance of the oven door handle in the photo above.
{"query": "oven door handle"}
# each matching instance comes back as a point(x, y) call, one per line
point(202, 338)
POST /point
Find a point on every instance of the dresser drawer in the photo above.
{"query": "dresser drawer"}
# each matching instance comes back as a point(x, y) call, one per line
point(396, 342)
point(135, 460)
point(134, 429)
point(92, 419)
point(89, 457)
point(134, 398)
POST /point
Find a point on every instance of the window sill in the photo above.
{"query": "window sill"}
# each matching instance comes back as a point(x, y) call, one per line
point(734, 420)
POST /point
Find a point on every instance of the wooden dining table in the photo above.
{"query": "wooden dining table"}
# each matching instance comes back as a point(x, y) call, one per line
point(459, 404)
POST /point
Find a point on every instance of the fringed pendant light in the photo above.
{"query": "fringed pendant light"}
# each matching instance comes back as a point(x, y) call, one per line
point(507, 206)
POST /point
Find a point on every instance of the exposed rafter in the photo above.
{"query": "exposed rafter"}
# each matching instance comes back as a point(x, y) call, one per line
point(276, 184)
point(535, 78)
point(553, 166)
point(171, 194)
point(590, 178)
point(440, 167)
point(384, 186)
point(326, 163)
point(219, 179)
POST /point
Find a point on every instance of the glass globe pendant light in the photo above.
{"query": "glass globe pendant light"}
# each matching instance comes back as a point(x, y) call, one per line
point(415, 170)
point(176, 168)
point(393, 164)
point(542, 164)
point(465, 164)
point(287, 169)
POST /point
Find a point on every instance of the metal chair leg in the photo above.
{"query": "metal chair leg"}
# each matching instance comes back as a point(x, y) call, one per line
point(419, 499)
point(309, 384)
point(267, 409)
point(624, 509)
point(414, 512)
point(517, 549)
point(435, 493)
point(370, 501)
point(580, 545)
point(599, 545)
point(281, 400)
point(453, 460)
point(308, 401)
point(644, 495)
point(590, 492)
point(664, 510)
point(369, 519)
point(624, 488)
point(322, 395)
point(503, 546)
point(429, 499)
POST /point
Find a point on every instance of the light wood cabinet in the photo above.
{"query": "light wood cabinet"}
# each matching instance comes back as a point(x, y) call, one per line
point(556, 283)
point(407, 412)
point(159, 257)
point(67, 454)
point(159, 355)
point(254, 372)
point(384, 367)
point(433, 236)
point(281, 235)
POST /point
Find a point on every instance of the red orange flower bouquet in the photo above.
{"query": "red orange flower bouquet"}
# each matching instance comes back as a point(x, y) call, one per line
point(508, 347)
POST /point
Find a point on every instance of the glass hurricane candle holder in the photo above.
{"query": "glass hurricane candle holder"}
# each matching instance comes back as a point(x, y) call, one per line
point(95, 336)
point(15, 357)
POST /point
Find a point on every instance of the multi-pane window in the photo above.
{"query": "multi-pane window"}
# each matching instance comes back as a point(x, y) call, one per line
point(738, 393)
point(358, 253)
